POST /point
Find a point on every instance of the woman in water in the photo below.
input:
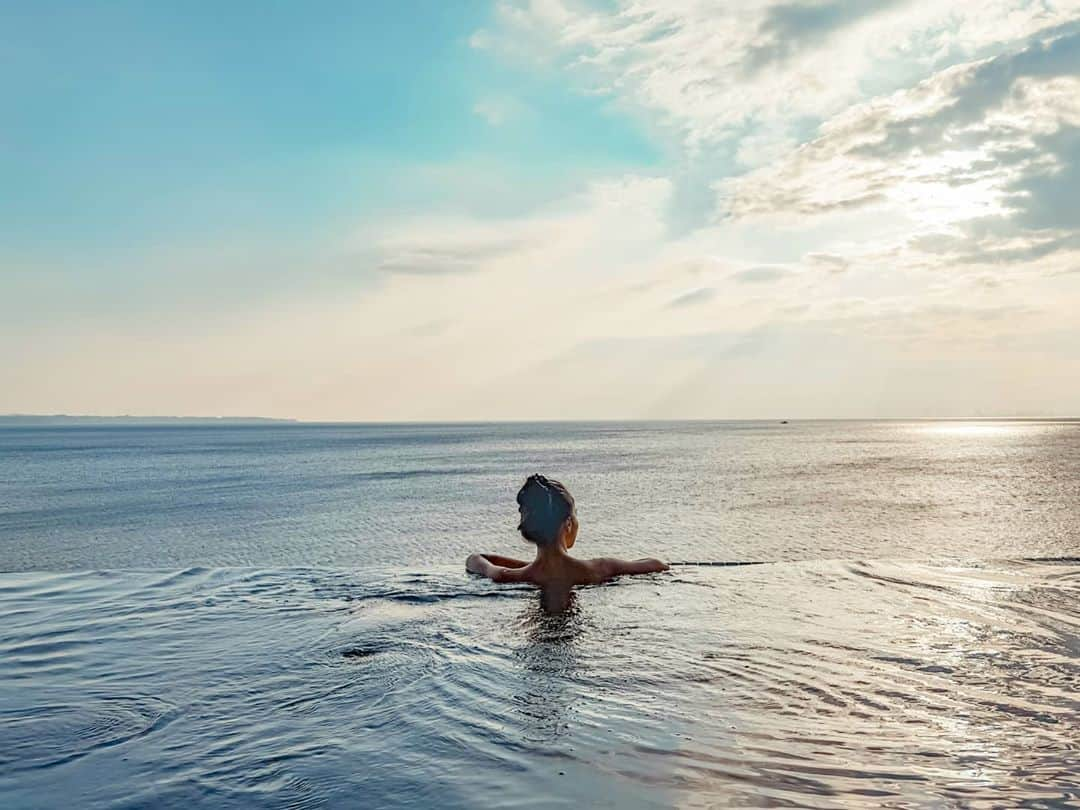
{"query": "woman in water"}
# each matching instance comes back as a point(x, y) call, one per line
point(549, 521)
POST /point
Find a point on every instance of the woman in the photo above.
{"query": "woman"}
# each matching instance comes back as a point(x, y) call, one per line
point(549, 521)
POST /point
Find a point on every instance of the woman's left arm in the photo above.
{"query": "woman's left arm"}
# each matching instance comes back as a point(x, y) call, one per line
point(611, 567)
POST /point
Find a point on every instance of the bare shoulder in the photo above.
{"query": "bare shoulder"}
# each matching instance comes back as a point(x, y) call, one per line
point(507, 574)
point(602, 568)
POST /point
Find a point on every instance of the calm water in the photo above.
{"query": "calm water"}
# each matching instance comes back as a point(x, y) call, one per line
point(135, 497)
point(308, 638)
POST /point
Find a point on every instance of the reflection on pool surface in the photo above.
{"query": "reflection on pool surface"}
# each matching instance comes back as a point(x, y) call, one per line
point(809, 684)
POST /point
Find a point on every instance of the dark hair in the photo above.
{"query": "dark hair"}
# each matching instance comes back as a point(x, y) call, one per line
point(544, 505)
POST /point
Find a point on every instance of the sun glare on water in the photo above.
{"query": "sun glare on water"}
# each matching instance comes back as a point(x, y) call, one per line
point(987, 429)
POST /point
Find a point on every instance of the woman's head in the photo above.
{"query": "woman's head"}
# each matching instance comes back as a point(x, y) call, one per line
point(547, 512)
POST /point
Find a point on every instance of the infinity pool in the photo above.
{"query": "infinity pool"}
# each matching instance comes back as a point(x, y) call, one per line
point(799, 684)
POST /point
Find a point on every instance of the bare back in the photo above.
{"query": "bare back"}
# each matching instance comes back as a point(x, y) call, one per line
point(567, 573)
point(561, 571)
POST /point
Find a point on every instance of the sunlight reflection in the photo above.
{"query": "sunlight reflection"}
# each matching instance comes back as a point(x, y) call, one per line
point(988, 429)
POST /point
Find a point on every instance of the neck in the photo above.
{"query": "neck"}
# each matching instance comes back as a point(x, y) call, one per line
point(555, 551)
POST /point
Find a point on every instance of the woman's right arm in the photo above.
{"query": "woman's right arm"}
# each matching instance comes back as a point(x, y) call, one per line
point(481, 564)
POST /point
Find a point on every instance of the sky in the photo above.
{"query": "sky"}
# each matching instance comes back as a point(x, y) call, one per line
point(540, 209)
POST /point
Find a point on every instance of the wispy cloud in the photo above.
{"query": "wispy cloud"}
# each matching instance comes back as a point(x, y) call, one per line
point(431, 259)
point(832, 262)
point(789, 28)
point(698, 296)
point(756, 275)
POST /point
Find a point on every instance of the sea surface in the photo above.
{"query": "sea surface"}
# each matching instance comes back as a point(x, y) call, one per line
point(277, 616)
point(89, 498)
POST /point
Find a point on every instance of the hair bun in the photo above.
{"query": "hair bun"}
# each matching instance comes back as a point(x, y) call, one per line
point(545, 505)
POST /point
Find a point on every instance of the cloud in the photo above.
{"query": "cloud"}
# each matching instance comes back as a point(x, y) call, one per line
point(899, 246)
point(699, 296)
point(618, 217)
point(454, 257)
point(982, 159)
point(913, 363)
point(832, 262)
point(921, 228)
point(790, 27)
point(970, 125)
point(763, 147)
point(757, 275)
point(710, 71)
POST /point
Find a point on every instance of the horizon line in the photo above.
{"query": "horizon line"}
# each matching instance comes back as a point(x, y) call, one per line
point(526, 420)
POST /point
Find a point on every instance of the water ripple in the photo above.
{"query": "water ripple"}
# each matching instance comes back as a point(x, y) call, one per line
point(863, 683)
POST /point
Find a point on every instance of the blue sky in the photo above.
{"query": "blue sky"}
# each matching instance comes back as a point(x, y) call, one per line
point(143, 121)
point(438, 210)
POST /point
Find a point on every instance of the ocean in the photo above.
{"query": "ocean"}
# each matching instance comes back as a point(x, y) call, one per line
point(277, 615)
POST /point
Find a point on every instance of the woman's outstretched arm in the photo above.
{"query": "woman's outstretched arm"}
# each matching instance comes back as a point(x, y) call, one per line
point(483, 565)
point(611, 567)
